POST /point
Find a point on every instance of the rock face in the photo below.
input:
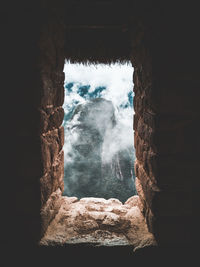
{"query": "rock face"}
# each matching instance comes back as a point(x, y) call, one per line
point(99, 222)
point(87, 173)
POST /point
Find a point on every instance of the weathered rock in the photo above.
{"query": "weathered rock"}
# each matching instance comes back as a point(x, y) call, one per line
point(99, 222)
point(132, 201)
point(101, 238)
point(51, 208)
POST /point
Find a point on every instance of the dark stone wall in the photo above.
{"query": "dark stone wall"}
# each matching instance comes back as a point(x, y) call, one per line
point(166, 85)
point(165, 56)
point(32, 60)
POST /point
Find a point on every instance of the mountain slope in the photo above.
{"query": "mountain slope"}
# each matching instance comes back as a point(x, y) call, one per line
point(96, 165)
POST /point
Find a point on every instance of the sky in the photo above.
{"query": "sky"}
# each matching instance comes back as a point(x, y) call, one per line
point(115, 77)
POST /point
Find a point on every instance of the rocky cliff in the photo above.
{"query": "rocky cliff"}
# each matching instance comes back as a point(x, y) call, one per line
point(95, 163)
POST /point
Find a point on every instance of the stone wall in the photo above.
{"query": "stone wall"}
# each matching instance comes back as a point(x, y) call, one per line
point(51, 64)
point(33, 60)
point(165, 124)
point(166, 85)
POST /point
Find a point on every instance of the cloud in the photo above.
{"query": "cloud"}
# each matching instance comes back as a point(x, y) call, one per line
point(116, 78)
point(111, 82)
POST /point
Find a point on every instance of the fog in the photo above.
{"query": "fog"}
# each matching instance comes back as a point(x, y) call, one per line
point(98, 127)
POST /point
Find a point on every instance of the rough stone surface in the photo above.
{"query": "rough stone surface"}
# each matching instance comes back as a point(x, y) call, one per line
point(99, 222)
point(51, 208)
point(165, 137)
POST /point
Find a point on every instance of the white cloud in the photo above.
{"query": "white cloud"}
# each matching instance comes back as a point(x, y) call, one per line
point(116, 77)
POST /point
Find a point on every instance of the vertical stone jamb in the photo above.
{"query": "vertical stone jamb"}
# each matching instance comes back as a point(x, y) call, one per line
point(166, 135)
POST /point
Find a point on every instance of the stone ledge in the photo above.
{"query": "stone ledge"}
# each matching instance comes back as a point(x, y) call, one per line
point(98, 222)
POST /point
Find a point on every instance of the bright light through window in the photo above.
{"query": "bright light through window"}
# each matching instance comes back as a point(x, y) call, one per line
point(98, 123)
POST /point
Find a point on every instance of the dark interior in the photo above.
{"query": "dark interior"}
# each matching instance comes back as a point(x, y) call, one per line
point(161, 40)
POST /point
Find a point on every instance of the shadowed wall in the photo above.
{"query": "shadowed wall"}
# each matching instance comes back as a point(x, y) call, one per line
point(162, 45)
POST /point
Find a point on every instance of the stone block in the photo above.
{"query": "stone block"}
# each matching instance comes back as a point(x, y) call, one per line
point(144, 99)
point(57, 172)
point(50, 209)
point(46, 154)
point(56, 118)
point(46, 187)
point(59, 85)
point(141, 146)
point(50, 119)
point(144, 131)
point(49, 148)
point(52, 89)
point(61, 137)
point(142, 174)
point(141, 202)
point(53, 178)
point(44, 121)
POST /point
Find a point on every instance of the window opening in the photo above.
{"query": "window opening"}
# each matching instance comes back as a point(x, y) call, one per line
point(98, 124)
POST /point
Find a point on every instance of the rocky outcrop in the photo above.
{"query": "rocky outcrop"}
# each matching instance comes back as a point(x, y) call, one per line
point(90, 138)
point(98, 222)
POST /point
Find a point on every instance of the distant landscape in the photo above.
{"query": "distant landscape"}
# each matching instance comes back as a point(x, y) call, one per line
point(98, 124)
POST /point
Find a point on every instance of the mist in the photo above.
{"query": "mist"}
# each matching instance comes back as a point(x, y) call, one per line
point(98, 123)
